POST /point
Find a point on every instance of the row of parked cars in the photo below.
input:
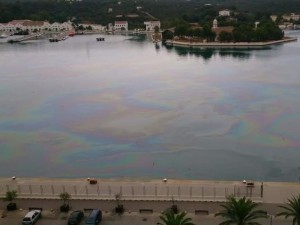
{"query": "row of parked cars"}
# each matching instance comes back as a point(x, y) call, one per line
point(75, 218)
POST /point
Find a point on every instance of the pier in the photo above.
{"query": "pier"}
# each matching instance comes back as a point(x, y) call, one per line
point(59, 37)
point(191, 44)
point(27, 38)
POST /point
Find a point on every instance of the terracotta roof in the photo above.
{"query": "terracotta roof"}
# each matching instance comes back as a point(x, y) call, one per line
point(15, 22)
point(121, 22)
point(33, 23)
point(218, 30)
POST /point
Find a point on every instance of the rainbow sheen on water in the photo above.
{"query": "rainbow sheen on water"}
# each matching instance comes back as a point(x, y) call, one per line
point(123, 108)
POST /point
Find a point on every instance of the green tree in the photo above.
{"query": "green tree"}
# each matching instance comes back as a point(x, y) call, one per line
point(65, 196)
point(240, 212)
point(10, 196)
point(292, 209)
point(208, 33)
point(268, 30)
point(244, 33)
point(225, 36)
point(170, 218)
point(167, 35)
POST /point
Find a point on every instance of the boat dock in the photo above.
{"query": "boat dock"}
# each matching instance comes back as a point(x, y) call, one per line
point(27, 38)
point(59, 37)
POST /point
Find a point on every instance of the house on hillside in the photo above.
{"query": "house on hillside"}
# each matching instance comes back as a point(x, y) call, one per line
point(150, 25)
point(121, 25)
point(224, 12)
point(292, 16)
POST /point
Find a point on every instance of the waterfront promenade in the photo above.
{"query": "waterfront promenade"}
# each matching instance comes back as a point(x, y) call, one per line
point(143, 199)
point(154, 190)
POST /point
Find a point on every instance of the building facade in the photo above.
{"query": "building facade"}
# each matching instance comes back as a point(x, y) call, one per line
point(121, 25)
point(150, 25)
point(31, 26)
point(224, 12)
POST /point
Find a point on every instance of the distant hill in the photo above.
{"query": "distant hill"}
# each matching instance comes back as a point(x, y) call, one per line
point(168, 11)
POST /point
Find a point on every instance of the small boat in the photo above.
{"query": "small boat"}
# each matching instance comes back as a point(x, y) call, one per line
point(72, 34)
point(3, 35)
point(100, 39)
point(65, 37)
point(53, 39)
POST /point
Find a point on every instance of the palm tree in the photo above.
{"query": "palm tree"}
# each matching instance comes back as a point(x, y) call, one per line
point(169, 218)
point(241, 212)
point(292, 209)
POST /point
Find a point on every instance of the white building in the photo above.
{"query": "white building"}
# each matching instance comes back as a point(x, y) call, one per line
point(291, 16)
point(150, 25)
point(95, 27)
point(121, 25)
point(224, 12)
point(215, 24)
point(17, 25)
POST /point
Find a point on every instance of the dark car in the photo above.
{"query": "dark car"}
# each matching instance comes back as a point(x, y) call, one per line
point(94, 218)
point(75, 217)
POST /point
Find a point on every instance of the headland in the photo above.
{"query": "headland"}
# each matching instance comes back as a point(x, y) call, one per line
point(194, 44)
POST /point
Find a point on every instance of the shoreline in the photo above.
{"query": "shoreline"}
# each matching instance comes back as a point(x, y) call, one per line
point(228, 45)
point(150, 189)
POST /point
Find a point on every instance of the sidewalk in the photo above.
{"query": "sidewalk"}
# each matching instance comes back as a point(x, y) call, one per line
point(158, 190)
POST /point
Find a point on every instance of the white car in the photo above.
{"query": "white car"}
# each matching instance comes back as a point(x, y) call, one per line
point(31, 217)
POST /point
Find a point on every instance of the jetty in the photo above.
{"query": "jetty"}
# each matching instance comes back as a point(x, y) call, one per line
point(195, 44)
point(156, 38)
point(59, 37)
point(27, 38)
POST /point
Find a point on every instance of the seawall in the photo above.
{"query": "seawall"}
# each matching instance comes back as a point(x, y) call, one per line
point(228, 45)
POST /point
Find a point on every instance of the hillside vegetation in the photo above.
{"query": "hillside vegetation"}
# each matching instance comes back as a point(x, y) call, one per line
point(170, 12)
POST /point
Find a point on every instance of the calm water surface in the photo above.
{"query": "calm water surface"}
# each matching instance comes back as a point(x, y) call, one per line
point(123, 108)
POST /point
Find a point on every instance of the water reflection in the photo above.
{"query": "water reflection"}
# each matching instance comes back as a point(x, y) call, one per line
point(208, 53)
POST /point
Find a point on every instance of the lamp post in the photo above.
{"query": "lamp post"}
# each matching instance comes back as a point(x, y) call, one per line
point(271, 219)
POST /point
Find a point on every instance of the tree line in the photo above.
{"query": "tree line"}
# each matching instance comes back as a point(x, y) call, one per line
point(266, 30)
point(170, 12)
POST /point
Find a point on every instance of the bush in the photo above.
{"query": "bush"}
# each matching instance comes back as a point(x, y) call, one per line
point(119, 209)
point(65, 208)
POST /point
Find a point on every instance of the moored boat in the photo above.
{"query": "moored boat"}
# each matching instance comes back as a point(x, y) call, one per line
point(3, 35)
point(100, 39)
point(72, 34)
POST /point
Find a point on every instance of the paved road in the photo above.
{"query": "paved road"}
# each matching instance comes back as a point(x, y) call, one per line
point(50, 218)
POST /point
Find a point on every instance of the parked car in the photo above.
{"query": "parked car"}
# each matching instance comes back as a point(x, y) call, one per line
point(75, 217)
point(31, 217)
point(94, 218)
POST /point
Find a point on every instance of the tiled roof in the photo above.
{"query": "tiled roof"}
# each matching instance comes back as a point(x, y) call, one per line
point(33, 23)
point(15, 22)
point(121, 22)
point(218, 30)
